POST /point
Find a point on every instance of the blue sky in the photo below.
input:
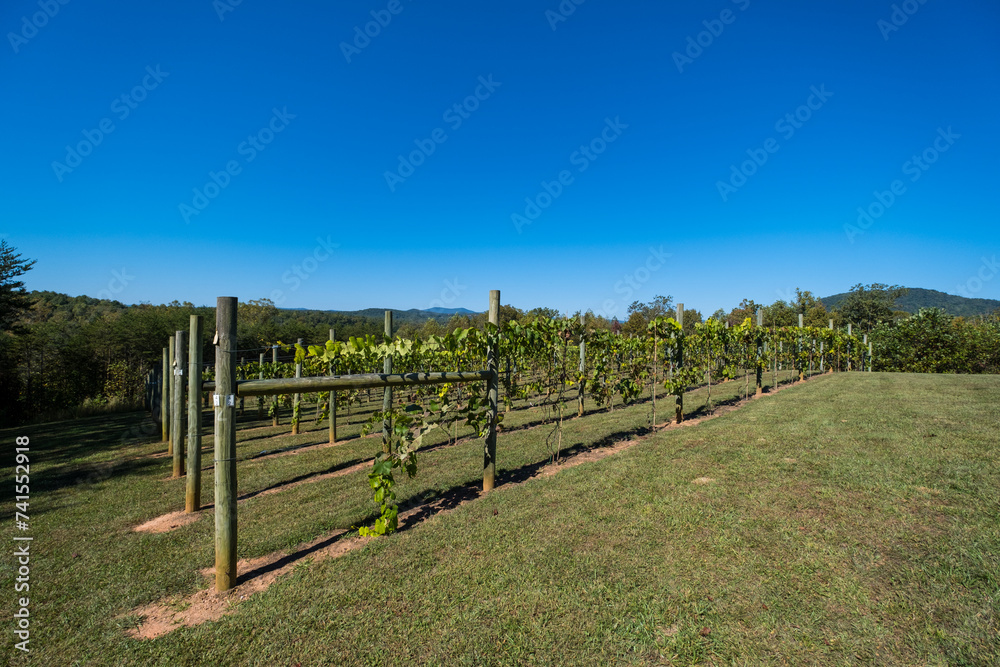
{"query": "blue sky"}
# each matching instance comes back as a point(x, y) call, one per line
point(576, 156)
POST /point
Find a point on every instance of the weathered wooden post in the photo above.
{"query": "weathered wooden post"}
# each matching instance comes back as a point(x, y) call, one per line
point(871, 361)
point(679, 400)
point(164, 396)
point(333, 402)
point(583, 365)
point(297, 399)
point(225, 444)
point(260, 399)
point(656, 346)
point(171, 353)
point(177, 403)
point(192, 494)
point(242, 376)
point(849, 334)
point(760, 352)
point(492, 392)
point(798, 357)
point(387, 395)
point(274, 360)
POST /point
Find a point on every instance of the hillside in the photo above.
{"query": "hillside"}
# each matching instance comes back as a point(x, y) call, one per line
point(413, 315)
point(918, 298)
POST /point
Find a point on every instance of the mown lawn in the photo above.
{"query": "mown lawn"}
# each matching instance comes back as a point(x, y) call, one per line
point(853, 519)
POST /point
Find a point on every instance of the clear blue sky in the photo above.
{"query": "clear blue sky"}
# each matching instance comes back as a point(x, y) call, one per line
point(311, 116)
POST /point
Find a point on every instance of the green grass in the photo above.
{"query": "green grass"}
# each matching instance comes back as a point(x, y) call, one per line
point(852, 519)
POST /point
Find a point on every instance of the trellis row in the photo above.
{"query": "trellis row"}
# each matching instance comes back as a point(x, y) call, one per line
point(227, 389)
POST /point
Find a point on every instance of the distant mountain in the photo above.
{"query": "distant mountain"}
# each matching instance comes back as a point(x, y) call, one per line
point(450, 311)
point(413, 315)
point(918, 298)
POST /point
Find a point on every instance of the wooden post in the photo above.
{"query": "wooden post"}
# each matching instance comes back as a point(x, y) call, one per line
point(870, 360)
point(260, 399)
point(493, 393)
point(679, 401)
point(169, 398)
point(798, 357)
point(192, 495)
point(865, 343)
point(225, 444)
point(583, 364)
point(387, 394)
point(760, 352)
point(164, 396)
point(177, 403)
point(849, 346)
point(297, 399)
point(333, 403)
point(656, 345)
point(275, 398)
point(242, 376)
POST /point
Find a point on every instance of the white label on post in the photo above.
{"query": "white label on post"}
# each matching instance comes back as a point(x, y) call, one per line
point(231, 400)
point(178, 371)
point(215, 399)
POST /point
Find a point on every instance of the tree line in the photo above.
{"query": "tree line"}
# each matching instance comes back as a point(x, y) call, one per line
point(62, 356)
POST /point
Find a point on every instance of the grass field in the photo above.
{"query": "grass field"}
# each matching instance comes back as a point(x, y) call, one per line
point(851, 519)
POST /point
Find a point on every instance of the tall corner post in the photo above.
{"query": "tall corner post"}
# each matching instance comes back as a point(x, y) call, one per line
point(492, 392)
point(192, 494)
point(177, 411)
point(225, 444)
